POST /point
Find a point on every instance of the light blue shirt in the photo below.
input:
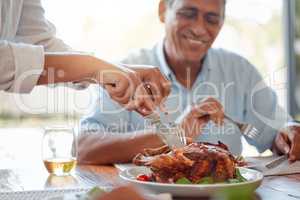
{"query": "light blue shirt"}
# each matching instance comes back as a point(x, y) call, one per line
point(225, 76)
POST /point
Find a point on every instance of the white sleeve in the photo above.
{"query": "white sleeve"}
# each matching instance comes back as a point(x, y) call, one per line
point(20, 66)
point(35, 29)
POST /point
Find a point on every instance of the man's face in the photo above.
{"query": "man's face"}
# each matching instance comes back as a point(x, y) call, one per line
point(191, 27)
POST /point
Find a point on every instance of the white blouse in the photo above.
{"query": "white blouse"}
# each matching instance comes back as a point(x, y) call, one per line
point(24, 36)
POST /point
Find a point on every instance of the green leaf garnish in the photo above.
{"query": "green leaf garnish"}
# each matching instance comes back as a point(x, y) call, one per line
point(183, 181)
point(206, 180)
point(239, 176)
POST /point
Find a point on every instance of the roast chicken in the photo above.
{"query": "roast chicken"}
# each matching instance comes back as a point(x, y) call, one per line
point(194, 162)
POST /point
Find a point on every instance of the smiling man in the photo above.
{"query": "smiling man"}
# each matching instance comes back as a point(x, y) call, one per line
point(209, 81)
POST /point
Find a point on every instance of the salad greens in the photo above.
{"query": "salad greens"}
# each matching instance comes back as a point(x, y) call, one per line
point(209, 180)
point(183, 181)
point(206, 180)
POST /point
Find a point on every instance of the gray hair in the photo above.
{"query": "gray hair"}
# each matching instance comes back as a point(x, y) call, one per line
point(170, 2)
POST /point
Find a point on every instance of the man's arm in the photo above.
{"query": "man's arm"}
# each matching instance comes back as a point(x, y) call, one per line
point(263, 110)
point(94, 149)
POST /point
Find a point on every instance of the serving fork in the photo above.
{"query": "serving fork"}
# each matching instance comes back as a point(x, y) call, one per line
point(170, 133)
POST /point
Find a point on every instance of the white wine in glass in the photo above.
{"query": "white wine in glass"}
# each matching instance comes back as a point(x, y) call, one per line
point(59, 150)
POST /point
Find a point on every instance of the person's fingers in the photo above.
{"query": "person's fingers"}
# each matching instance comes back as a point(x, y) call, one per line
point(209, 108)
point(217, 114)
point(143, 102)
point(125, 99)
point(122, 193)
point(123, 91)
point(282, 144)
point(155, 90)
point(145, 99)
point(199, 125)
point(203, 107)
point(160, 84)
point(199, 111)
point(131, 105)
point(123, 83)
point(143, 111)
point(189, 140)
point(215, 110)
point(294, 153)
point(194, 126)
point(114, 90)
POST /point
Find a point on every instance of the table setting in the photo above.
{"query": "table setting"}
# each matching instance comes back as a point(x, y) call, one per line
point(64, 180)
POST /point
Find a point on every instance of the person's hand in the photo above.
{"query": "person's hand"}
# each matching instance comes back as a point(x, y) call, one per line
point(123, 193)
point(139, 88)
point(199, 115)
point(158, 86)
point(287, 142)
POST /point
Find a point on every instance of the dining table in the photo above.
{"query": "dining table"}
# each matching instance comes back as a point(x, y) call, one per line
point(29, 174)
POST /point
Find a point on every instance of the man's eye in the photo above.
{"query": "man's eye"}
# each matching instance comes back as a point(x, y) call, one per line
point(187, 14)
point(212, 19)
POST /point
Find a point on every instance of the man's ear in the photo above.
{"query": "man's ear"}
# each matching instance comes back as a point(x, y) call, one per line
point(162, 10)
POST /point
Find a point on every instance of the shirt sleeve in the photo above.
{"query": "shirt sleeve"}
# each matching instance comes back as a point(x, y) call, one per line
point(24, 59)
point(263, 110)
point(35, 29)
point(20, 66)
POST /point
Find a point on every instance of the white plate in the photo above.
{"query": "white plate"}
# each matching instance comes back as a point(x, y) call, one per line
point(180, 190)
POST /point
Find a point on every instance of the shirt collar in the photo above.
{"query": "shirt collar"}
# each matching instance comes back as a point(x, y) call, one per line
point(164, 67)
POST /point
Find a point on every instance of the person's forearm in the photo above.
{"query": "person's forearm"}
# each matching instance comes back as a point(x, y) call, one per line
point(93, 149)
point(64, 67)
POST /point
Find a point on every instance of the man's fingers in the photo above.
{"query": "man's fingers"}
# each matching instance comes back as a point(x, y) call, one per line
point(212, 109)
point(193, 126)
point(189, 140)
point(282, 143)
point(295, 146)
point(217, 114)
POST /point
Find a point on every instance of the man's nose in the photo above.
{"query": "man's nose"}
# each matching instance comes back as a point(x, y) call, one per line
point(199, 26)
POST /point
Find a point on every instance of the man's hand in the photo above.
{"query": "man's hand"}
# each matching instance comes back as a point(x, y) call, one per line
point(199, 115)
point(139, 88)
point(288, 142)
point(123, 193)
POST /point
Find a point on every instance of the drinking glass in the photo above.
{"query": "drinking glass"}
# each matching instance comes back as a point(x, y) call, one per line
point(59, 150)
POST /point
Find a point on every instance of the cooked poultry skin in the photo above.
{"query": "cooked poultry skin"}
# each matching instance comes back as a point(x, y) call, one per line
point(194, 161)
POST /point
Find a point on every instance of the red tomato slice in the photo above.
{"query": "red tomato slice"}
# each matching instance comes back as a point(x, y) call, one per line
point(143, 177)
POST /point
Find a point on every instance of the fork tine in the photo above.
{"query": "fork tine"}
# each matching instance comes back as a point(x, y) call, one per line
point(257, 132)
point(182, 136)
point(246, 129)
point(254, 132)
point(183, 133)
